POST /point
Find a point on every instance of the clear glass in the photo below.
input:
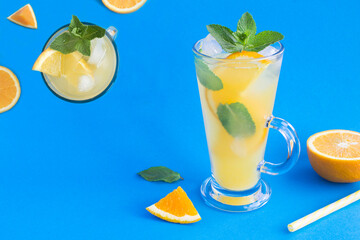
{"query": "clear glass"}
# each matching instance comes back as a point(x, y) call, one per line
point(104, 74)
point(237, 161)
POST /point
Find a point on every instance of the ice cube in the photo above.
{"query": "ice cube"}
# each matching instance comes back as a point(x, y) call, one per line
point(98, 51)
point(268, 51)
point(86, 83)
point(209, 46)
point(266, 82)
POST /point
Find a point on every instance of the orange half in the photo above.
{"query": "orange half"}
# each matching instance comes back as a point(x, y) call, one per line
point(176, 207)
point(9, 89)
point(25, 17)
point(123, 6)
point(335, 155)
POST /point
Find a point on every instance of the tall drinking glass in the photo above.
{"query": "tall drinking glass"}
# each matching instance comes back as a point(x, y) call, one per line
point(237, 98)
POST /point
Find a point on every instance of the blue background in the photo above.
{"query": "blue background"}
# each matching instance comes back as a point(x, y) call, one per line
point(68, 171)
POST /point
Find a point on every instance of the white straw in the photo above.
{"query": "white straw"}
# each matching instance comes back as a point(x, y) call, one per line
point(312, 217)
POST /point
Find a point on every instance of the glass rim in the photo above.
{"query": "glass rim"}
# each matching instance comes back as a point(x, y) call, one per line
point(272, 56)
point(103, 91)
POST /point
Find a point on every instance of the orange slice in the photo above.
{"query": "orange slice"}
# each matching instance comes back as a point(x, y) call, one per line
point(176, 207)
point(335, 155)
point(123, 6)
point(25, 17)
point(247, 54)
point(49, 62)
point(9, 89)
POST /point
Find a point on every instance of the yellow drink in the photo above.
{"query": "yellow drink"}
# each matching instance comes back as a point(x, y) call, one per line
point(235, 160)
point(85, 77)
point(237, 73)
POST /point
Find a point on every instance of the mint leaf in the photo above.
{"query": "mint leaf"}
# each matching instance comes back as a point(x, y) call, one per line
point(83, 46)
point(264, 39)
point(245, 37)
point(241, 37)
point(65, 43)
point(93, 31)
point(236, 119)
point(246, 25)
point(76, 27)
point(206, 77)
point(78, 38)
point(164, 174)
point(224, 36)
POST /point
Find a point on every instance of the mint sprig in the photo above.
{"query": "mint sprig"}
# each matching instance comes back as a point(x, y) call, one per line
point(245, 37)
point(77, 38)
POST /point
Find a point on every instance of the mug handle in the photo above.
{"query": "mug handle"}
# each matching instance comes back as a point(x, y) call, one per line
point(293, 146)
point(112, 31)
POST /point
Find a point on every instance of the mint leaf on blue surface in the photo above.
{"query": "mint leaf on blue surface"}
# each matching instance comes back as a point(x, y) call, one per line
point(164, 174)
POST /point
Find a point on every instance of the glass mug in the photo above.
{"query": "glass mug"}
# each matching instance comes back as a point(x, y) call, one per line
point(103, 79)
point(237, 98)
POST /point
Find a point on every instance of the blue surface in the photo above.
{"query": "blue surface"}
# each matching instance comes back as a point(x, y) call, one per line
point(68, 171)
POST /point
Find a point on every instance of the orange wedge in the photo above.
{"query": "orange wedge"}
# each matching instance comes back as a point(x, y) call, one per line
point(49, 62)
point(335, 155)
point(123, 6)
point(247, 54)
point(25, 17)
point(55, 63)
point(9, 89)
point(176, 207)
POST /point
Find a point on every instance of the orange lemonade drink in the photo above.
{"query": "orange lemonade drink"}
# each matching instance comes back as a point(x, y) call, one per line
point(237, 73)
point(251, 83)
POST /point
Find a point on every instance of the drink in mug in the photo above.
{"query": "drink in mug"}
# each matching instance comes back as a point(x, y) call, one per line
point(79, 62)
point(83, 83)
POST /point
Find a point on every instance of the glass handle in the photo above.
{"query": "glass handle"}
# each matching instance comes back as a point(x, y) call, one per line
point(112, 31)
point(293, 146)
